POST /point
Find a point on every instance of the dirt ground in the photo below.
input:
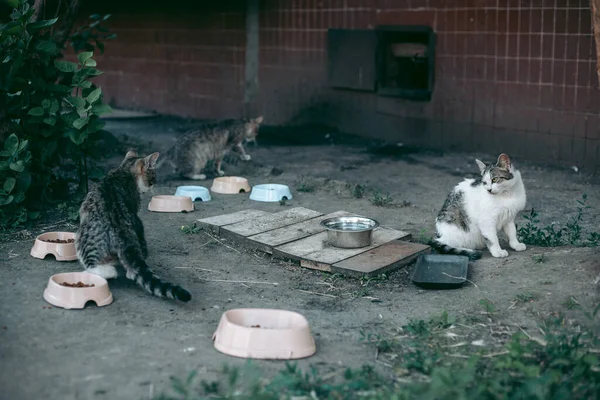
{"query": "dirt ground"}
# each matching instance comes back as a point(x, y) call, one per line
point(129, 349)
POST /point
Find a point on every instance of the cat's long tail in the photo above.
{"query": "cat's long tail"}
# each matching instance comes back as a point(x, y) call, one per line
point(139, 272)
point(445, 249)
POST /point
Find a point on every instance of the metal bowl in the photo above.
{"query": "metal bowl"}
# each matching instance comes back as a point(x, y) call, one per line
point(349, 232)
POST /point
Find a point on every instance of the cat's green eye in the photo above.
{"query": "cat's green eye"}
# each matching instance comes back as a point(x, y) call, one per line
point(495, 180)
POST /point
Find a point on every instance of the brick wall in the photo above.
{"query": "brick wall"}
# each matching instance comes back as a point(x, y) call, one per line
point(514, 76)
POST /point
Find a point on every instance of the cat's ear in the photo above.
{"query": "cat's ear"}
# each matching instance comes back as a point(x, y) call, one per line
point(131, 154)
point(504, 161)
point(481, 165)
point(259, 120)
point(150, 161)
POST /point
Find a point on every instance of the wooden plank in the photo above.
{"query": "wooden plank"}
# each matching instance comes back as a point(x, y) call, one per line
point(324, 258)
point(266, 223)
point(214, 224)
point(267, 240)
point(385, 258)
point(295, 250)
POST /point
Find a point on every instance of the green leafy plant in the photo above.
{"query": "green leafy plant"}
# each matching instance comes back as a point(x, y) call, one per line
point(50, 106)
point(552, 235)
point(191, 229)
point(381, 200)
point(14, 181)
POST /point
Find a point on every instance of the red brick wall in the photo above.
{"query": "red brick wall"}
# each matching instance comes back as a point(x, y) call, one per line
point(514, 76)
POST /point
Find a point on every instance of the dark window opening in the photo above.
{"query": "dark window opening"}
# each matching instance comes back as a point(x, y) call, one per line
point(406, 61)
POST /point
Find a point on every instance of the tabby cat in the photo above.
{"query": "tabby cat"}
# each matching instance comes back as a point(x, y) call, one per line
point(477, 209)
point(211, 142)
point(111, 235)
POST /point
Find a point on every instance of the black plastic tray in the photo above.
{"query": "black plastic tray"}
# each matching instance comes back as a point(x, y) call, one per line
point(441, 271)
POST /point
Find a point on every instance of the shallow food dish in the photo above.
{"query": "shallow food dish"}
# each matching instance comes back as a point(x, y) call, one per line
point(264, 334)
point(171, 204)
point(349, 232)
point(230, 185)
point(270, 192)
point(76, 297)
point(61, 251)
point(441, 271)
point(194, 192)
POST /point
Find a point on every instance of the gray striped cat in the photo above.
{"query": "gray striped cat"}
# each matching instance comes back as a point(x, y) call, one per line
point(111, 235)
point(210, 142)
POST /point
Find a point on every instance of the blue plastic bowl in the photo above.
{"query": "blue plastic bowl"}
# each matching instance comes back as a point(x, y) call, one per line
point(195, 192)
point(270, 192)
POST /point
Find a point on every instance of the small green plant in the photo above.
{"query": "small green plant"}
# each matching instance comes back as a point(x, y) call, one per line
point(306, 186)
point(191, 229)
point(488, 307)
point(358, 191)
point(540, 258)
point(552, 235)
point(381, 200)
point(572, 303)
point(526, 297)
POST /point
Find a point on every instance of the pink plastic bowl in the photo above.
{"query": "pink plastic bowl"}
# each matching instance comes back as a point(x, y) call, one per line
point(61, 251)
point(264, 334)
point(76, 297)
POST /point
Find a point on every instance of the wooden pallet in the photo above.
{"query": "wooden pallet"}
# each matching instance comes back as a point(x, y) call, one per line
point(296, 234)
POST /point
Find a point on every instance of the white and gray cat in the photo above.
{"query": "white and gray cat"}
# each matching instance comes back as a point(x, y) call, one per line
point(477, 209)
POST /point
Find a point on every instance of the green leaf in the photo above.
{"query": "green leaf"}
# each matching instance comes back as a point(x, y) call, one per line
point(80, 123)
point(47, 47)
point(46, 103)
point(36, 111)
point(83, 57)
point(6, 201)
point(77, 102)
point(11, 144)
point(65, 66)
point(12, 3)
point(54, 107)
point(12, 28)
point(9, 184)
point(91, 71)
point(59, 88)
point(22, 145)
point(94, 95)
point(86, 84)
point(90, 63)
point(17, 167)
point(36, 26)
point(78, 137)
point(33, 214)
point(101, 109)
point(50, 120)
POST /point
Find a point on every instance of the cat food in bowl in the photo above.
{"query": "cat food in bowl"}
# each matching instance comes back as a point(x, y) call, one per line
point(75, 289)
point(349, 232)
point(171, 204)
point(270, 193)
point(194, 192)
point(60, 244)
point(264, 334)
point(230, 185)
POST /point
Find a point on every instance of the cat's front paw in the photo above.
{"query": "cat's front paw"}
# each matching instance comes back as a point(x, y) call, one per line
point(246, 157)
point(518, 246)
point(499, 253)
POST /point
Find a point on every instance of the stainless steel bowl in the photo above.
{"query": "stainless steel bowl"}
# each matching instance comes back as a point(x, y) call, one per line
point(349, 232)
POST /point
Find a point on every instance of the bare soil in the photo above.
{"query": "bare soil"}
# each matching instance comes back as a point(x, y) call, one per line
point(132, 346)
